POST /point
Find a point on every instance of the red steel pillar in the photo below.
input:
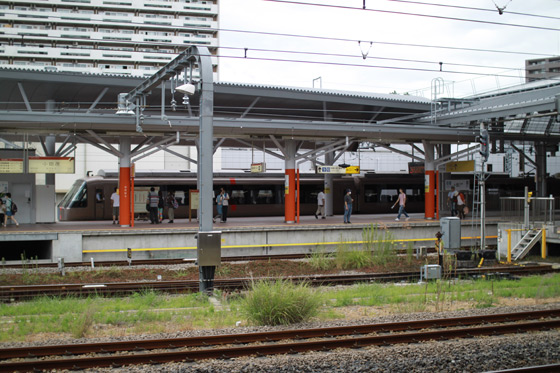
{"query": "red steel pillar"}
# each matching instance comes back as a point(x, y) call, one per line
point(125, 191)
point(429, 181)
point(290, 182)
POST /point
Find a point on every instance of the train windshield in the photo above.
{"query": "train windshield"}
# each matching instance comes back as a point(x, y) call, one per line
point(76, 196)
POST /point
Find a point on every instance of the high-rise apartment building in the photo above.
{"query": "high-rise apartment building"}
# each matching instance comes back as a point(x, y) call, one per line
point(133, 37)
point(542, 68)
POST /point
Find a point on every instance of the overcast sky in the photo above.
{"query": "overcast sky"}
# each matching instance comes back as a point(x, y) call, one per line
point(351, 72)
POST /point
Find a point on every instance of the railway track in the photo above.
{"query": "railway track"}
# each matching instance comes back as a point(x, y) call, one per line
point(112, 354)
point(138, 262)
point(14, 293)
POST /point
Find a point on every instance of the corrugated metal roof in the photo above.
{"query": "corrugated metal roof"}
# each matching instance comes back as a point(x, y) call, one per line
point(331, 92)
point(73, 73)
point(539, 84)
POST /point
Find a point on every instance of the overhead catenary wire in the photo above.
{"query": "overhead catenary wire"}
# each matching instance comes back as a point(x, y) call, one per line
point(245, 56)
point(340, 64)
point(264, 33)
point(433, 16)
point(474, 8)
point(366, 56)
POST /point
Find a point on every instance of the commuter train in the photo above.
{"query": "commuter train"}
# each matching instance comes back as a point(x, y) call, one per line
point(263, 194)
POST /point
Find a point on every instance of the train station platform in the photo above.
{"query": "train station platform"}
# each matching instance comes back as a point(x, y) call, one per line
point(101, 240)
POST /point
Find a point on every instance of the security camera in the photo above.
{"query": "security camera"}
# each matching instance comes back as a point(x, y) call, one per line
point(187, 89)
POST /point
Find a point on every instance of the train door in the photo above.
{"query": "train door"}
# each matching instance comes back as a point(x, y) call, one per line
point(99, 209)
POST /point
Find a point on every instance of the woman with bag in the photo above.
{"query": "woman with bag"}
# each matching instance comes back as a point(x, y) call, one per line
point(10, 210)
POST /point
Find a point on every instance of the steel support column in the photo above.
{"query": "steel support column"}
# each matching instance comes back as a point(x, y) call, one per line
point(328, 186)
point(540, 160)
point(429, 180)
point(50, 145)
point(125, 197)
point(290, 150)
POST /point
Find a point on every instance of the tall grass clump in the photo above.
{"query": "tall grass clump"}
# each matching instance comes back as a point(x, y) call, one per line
point(381, 244)
point(280, 302)
point(350, 257)
point(321, 260)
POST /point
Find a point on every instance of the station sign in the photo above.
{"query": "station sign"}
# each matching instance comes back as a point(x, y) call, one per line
point(258, 167)
point(51, 165)
point(460, 166)
point(416, 168)
point(338, 170)
point(11, 166)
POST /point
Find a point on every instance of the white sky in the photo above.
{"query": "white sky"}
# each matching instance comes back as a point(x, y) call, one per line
point(364, 25)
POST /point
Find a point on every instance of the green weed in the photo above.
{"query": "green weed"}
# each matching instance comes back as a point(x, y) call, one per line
point(280, 302)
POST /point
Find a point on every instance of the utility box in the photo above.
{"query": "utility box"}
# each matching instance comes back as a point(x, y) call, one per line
point(45, 204)
point(431, 271)
point(209, 248)
point(451, 233)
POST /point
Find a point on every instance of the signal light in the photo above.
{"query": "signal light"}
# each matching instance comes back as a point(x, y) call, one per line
point(484, 141)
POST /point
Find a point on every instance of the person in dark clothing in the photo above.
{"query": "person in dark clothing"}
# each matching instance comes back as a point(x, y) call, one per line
point(152, 202)
point(348, 207)
point(223, 201)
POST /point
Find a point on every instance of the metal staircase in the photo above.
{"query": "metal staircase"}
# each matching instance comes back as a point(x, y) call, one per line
point(526, 243)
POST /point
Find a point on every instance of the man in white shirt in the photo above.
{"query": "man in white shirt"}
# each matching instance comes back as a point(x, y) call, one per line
point(115, 200)
point(320, 205)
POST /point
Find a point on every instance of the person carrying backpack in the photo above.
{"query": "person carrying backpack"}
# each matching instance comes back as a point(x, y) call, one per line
point(11, 209)
point(461, 202)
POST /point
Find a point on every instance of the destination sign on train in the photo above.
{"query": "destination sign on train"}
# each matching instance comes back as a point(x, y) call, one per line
point(338, 170)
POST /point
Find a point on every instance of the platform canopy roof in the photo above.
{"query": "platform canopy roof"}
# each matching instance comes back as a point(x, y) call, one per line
point(37, 103)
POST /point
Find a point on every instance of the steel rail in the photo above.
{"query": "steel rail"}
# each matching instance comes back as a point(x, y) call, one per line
point(276, 348)
point(533, 369)
point(18, 292)
point(107, 347)
point(135, 262)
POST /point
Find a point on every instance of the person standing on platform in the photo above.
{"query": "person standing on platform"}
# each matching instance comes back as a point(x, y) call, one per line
point(152, 203)
point(115, 201)
point(461, 201)
point(223, 200)
point(402, 203)
point(172, 205)
point(160, 205)
point(320, 205)
point(348, 207)
point(9, 210)
point(452, 201)
point(2, 211)
point(219, 208)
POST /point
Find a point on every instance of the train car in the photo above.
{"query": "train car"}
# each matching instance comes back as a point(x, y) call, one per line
point(263, 194)
point(250, 195)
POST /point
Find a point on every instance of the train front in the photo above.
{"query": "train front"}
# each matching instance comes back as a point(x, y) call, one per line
point(74, 203)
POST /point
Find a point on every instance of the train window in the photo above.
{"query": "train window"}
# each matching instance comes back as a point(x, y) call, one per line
point(370, 195)
point(254, 195)
point(308, 193)
point(180, 196)
point(99, 198)
point(265, 196)
point(389, 195)
point(414, 195)
point(76, 196)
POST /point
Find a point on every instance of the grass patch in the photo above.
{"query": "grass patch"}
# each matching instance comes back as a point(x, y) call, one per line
point(440, 294)
point(269, 303)
point(280, 302)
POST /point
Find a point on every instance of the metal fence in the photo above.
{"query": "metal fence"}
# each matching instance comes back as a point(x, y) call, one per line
point(538, 209)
